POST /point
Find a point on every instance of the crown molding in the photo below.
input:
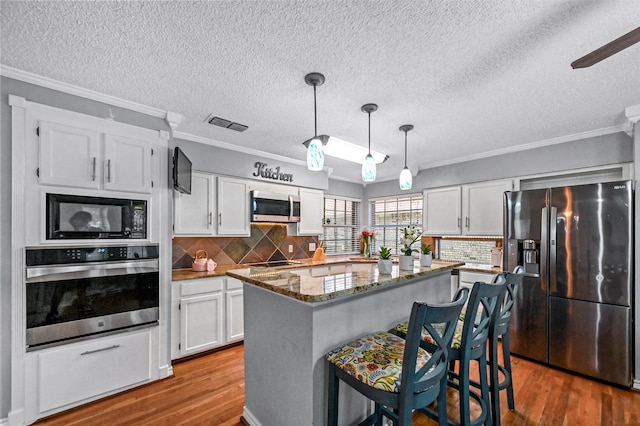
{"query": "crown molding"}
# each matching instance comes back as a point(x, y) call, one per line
point(526, 147)
point(244, 150)
point(71, 89)
point(632, 115)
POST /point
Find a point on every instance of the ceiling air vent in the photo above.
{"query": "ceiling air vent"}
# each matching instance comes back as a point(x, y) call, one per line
point(217, 121)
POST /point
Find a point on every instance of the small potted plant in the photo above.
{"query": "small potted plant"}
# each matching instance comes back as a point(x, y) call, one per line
point(410, 236)
point(384, 263)
point(426, 258)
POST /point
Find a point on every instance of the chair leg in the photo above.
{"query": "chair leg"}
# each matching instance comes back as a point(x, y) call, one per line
point(465, 411)
point(332, 405)
point(484, 386)
point(506, 354)
point(495, 381)
point(442, 402)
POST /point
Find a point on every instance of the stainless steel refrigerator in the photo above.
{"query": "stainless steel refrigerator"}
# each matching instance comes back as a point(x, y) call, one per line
point(574, 308)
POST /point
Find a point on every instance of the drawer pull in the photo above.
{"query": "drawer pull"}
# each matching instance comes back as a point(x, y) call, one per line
point(100, 350)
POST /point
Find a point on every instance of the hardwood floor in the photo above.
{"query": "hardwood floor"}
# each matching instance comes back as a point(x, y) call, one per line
point(209, 390)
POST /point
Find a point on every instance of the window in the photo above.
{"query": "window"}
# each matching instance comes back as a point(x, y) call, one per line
point(341, 225)
point(389, 216)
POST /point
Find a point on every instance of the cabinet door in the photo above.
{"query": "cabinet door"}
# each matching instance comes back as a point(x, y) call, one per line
point(234, 315)
point(311, 211)
point(233, 207)
point(200, 323)
point(483, 207)
point(127, 164)
point(69, 156)
point(72, 373)
point(193, 213)
point(441, 211)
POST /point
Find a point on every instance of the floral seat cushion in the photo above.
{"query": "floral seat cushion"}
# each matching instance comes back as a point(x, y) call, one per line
point(457, 335)
point(375, 359)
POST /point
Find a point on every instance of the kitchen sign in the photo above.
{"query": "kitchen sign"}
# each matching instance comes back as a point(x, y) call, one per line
point(265, 172)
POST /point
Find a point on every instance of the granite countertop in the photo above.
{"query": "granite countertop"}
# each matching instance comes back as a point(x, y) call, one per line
point(297, 282)
point(220, 271)
point(188, 274)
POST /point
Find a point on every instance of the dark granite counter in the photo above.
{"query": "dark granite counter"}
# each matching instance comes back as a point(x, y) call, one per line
point(300, 282)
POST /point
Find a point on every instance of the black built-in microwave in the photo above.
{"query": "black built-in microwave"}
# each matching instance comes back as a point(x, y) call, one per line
point(72, 217)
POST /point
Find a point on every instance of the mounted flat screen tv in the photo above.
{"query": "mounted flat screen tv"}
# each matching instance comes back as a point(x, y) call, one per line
point(181, 172)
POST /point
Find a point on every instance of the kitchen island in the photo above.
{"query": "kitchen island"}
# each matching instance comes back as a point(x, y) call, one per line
point(293, 317)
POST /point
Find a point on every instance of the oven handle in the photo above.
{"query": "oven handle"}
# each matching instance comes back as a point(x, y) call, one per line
point(92, 270)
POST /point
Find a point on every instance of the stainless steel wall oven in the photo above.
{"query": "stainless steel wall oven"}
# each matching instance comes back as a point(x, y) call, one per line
point(74, 292)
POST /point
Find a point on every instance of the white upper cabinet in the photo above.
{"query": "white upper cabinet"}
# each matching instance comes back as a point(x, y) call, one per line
point(233, 207)
point(311, 211)
point(217, 205)
point(442, 211)
point(194, 213)
point(69, 156)
point(84, 158)
point(465, 210)
point(483, 209)
point(128, 164)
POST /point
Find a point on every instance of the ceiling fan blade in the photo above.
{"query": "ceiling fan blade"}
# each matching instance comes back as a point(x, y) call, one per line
point(608, 49)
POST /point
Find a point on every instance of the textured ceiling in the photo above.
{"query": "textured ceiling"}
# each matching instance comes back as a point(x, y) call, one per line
point(471, 76)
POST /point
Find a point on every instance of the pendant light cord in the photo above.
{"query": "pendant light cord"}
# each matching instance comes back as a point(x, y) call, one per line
point(369, 133)
point(405, 148)
point(315, 113)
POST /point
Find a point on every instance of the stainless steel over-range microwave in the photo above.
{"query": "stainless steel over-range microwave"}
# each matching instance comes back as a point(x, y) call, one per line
point(274, 207)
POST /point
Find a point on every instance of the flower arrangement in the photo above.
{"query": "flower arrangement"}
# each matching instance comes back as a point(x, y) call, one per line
point(367, 238)
point(410, 236)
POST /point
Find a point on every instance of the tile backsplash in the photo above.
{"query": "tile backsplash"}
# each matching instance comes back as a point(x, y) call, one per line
point(267, 242)
point(467, 250)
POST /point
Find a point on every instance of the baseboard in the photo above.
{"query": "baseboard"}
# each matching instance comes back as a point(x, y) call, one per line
point(4, 421)
point(636, 384)
point(249, 418)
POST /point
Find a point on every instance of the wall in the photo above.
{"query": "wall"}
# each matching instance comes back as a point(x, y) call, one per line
point(57, 99)
point(591, 152)
point(214, 159)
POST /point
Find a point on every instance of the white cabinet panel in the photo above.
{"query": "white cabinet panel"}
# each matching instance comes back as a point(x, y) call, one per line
point(201, 323)
point(193, 213)
point(234, 315)
point(127, 164)
point(233, 207)
point(206, 313)
point(77, 157)
point(483, 205)
point(75, 372)
point(311, 211)
point(465, 210)
point(69, 156)
point(441, 211)
point(468, 278)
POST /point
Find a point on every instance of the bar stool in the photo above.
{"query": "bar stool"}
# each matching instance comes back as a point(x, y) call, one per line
point(470, 343)
point(398, 374)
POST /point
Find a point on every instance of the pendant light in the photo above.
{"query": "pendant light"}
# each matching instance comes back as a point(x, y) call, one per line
point(406, 181)
point(315, 149)
point(369, 165)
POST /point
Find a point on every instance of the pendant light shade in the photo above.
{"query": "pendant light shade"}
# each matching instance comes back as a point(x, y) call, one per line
point(315, 149)
point(406, 180)
point(369, 165)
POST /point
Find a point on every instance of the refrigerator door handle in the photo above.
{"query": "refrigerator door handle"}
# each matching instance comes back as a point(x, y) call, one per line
point(544, 244)
point(553, 249)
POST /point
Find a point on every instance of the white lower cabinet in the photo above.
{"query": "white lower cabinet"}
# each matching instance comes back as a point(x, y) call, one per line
point(468, 278)
point(206, 313)
point(80, 371)
point(234, 311)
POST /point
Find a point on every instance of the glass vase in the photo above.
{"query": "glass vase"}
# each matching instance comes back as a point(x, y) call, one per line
point(367, 247)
